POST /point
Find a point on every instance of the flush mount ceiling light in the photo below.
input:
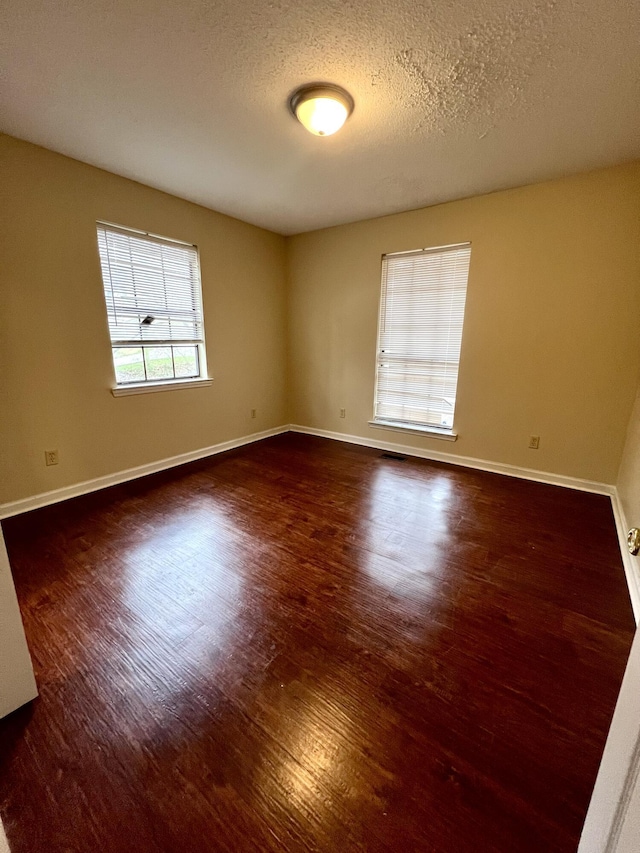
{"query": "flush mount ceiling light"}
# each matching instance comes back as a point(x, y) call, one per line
point(321, 107)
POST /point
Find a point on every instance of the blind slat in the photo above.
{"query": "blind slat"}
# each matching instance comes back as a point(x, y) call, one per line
point(420, 335)
point(151, 287)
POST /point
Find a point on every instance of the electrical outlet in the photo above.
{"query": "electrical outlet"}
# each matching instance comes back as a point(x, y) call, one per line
point(51, 457)
point(253, 413)
point(534, 442)
point(343, 413)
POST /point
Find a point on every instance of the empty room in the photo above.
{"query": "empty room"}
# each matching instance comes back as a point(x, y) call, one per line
point(320, 421)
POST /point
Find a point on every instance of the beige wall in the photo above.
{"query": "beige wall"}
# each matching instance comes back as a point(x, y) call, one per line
point(54, 344)
point(629, 474)
point(629, 499)
point(620, 761)
point(550, 345)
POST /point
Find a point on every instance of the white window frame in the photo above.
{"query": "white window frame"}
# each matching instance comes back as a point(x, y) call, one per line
point(450, 356)
point(144, 339)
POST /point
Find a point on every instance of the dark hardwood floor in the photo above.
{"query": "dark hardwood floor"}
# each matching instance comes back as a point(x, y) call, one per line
point(303, 646)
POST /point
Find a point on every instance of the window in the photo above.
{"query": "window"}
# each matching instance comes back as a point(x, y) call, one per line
point(420, 333)
point(154, 307)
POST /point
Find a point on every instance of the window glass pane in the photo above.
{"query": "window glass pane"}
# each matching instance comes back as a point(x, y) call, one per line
point(159, 363)
point(154, 305)
point(186, 361)
point(420, 335)
point(129, 364)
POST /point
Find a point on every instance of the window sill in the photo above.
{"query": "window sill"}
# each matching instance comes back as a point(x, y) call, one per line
point(152, 387)
point(415, 429)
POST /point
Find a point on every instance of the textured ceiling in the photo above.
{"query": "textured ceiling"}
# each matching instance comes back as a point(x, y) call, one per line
point(453, 97)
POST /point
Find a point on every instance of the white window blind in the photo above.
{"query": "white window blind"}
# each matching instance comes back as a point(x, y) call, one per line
point(420, 334)
point(154, 305)
point(149, 277)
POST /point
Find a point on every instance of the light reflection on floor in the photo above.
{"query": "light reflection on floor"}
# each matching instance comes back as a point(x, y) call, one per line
point(323, 748)
point(172, 602)
point(388, 557)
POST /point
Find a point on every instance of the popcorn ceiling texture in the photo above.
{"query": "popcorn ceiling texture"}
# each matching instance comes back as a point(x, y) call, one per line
point(453, 97)
point(487, 66)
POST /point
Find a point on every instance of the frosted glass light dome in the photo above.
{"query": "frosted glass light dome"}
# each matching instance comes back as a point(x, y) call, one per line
point(321, 108)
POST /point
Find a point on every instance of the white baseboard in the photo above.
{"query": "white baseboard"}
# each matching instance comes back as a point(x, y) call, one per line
point(465, 461)
point(631, 564)
point(63, 494)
